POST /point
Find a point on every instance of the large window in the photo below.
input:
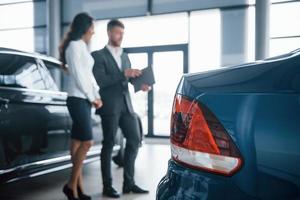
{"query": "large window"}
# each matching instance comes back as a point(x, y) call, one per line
point(140, 99)
point(147, 31)
point(23, 25)
point(27, 39)
point(284, 35)
point(251, 34)
point(205, 40)
point(165, 87)
point(16, 15)
point(202, 30)
point(284, 29)
point(168, 63)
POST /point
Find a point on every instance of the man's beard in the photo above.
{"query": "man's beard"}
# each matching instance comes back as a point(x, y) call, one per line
point(115, 43)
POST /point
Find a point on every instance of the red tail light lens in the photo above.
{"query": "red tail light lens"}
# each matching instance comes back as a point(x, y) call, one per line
point(199, 140)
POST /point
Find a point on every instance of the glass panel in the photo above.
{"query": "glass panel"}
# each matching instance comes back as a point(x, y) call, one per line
point(29, 77)
point(30, 40)
point(56, 73)
point(10, 63)
point(205, 40)
point(17, 15)
point(140, 99)
point(15, 39)
point(40, 40)
point(99, 39)
point(168, 69)
point(168, 6)
point(147, 31)
point(156, 30)
point(282, 19)
point(282, 46)
point(22, 15)
point(47, 78)
point(138, 60)
point(104, 9)
point(19, 71)
point(251, 34)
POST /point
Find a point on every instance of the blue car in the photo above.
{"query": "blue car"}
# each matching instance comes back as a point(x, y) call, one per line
point(235, 133)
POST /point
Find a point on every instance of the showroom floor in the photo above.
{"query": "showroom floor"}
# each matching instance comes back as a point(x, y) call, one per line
point(151, 166)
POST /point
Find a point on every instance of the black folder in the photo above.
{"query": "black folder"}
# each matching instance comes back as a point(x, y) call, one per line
point(147, 77)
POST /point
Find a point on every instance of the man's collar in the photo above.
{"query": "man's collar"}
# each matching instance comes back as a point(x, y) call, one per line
point(118, 50)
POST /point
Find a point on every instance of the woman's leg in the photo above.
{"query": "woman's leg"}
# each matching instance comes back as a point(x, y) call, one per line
point(77, 159)
point(80, 181)
point(74, 147)
point(75, 144)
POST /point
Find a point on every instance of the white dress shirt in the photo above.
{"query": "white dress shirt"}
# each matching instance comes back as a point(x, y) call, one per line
point(116, 52)
point(80, 63)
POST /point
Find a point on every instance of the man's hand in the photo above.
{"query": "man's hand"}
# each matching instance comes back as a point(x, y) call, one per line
point(97, 103)
point(145, 88)
point(132, 73)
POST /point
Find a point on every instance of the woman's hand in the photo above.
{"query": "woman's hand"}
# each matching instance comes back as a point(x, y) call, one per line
point(97, 103)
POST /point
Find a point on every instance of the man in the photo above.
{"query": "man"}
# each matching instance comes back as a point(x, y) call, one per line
point(112, 70)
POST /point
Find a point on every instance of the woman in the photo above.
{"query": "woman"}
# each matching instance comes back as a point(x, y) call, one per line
point(83, 92)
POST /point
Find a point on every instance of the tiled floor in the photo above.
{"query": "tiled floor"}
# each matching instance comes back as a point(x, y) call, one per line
point(151, 166)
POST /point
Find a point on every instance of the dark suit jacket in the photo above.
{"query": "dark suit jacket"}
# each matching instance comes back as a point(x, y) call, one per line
point(112, 81)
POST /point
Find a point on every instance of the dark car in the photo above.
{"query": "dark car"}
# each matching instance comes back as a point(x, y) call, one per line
point(235, 133)
point(34, 120)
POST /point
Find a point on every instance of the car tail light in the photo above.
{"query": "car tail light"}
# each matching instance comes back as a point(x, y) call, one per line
point(200, 141)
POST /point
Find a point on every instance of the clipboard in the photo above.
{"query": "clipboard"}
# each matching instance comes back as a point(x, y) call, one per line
point(147, 77)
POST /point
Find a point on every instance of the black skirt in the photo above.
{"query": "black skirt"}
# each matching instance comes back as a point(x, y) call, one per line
point(80, 111)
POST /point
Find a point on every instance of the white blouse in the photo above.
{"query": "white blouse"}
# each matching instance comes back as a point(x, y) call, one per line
point(80, 63)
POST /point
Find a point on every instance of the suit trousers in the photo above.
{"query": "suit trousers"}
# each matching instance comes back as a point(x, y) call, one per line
point(130, 128)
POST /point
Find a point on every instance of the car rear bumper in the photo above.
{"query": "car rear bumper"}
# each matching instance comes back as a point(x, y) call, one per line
point(188, 184)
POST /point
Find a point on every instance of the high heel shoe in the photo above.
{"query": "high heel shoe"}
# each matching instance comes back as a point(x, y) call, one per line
point(69, 193)
point(83, 196)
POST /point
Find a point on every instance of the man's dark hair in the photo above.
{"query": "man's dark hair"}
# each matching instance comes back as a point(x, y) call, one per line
point(114, 23)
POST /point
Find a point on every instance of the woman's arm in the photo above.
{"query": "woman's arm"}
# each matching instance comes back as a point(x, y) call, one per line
point(80, 72)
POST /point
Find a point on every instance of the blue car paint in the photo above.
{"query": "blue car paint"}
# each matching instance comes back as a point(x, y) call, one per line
point(259, 106)
point(182, 183)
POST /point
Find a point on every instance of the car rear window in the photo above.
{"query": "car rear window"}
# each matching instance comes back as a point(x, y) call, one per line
point(10, 63)
point(24, 72)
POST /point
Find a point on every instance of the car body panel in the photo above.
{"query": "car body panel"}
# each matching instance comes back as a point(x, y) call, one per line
point(188, 184)
point(259, 106)
point(35, 124)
